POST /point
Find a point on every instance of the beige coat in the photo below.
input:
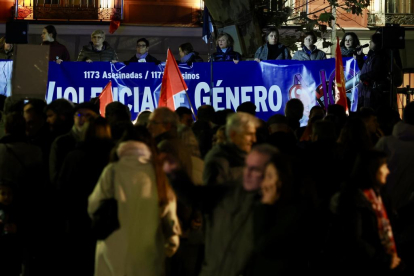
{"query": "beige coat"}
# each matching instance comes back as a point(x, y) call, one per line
point(139, 246)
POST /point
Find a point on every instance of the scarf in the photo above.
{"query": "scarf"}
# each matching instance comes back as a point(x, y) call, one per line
point(185, 58)
point(307, 51)
point(384, 226)
point(141, 56)
point(347, 52)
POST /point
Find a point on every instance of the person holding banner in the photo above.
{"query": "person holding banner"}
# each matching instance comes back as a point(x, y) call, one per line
point(142, 53)
point(188, 55)
point(225, 51)
point(98, 49)
point(272, 49)
point(309, 50)
point(57, 52)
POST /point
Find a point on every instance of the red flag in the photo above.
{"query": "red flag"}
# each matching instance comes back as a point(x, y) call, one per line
point(105, 98)
point(172, 83)
point(340, 92)
point(114, 25)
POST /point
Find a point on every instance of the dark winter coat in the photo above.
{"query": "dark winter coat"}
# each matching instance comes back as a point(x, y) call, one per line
point(372, 90)
point(228, 211)
point(355, 238)
point(194, 58)
point(77, 179)
point(21, 165)
point(223, 163)
point(279, 240)
point(58, 151)
point(229, 55)
point(148, 58)
point(263, 52)
point(89, 52)
point(20, 161)
point(57, 51)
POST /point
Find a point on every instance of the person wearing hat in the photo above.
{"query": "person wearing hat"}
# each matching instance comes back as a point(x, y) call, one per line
point(67, 142)
point(374, 86)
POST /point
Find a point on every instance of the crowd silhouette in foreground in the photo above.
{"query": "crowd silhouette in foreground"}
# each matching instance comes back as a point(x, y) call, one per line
point(224, 193)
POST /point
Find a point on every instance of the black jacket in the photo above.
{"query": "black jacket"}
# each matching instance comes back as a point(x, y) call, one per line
point(374, 79)
point(194, 58)
point(279, 237)
point(89, 52)
point(229, 55)
point(355, 240)
point(228, 211)
point(148, 58)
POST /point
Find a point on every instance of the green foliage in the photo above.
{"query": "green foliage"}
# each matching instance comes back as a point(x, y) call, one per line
point(325, 17)
point(320, 19)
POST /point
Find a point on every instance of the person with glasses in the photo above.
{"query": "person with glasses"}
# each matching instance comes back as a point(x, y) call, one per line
point(62, 145)
point(98, 49)
point(142, 54)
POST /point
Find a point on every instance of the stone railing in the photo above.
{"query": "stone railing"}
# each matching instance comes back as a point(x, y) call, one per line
point(380, 19)
point(66, 11)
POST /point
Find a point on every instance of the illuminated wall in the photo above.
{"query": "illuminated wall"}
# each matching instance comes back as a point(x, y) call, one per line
point(159, 12)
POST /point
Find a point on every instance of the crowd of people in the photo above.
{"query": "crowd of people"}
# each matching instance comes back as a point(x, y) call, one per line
point(225, 194)
point(219, 193)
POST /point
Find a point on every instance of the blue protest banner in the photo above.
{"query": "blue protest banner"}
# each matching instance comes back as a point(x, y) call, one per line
point(269, 85)
point(6, 67)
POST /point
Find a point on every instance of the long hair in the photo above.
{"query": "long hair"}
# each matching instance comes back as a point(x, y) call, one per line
point(284, 185)
point(354, 135)
point(51, 30)
point(355, 40)
point(364, 173)
point(230, 40)
point(98, 129)
point(187, 48)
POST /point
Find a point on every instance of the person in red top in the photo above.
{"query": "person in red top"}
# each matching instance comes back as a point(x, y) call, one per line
point(57, 52)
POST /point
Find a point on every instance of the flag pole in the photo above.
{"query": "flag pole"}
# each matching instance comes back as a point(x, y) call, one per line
point(211, 69)
point(191, 105)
